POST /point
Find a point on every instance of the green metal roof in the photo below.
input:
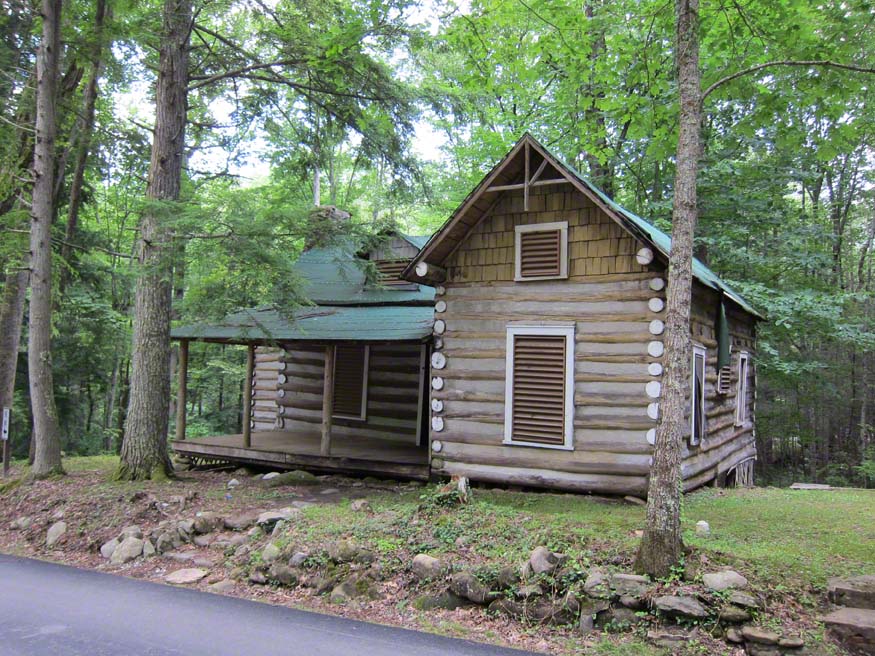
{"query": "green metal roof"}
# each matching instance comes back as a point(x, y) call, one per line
point(373, 323)
point(332, 277)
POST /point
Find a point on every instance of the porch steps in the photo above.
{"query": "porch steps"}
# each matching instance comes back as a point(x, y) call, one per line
point(854, 623)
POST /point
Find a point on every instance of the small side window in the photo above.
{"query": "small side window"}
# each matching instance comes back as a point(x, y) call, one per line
point(541, 251)
point(741, 390)
point(697, 396)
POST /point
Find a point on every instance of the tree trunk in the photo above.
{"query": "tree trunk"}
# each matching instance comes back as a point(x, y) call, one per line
point(661, 547)
point(144, 448)
point(11, 316)
point(47, 443)
point(87, 128)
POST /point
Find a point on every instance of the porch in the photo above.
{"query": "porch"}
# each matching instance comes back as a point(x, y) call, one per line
point(295, 450)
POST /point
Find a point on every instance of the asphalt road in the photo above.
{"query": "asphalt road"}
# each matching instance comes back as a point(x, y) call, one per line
point(54, 610)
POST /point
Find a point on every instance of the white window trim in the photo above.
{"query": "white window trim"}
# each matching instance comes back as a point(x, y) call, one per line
point(363, 415)
point(741, 388)
point(566, 331)
point(698, 349)
point(562, 226)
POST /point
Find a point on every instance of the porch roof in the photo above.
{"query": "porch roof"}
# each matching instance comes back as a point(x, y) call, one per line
point(372, 323)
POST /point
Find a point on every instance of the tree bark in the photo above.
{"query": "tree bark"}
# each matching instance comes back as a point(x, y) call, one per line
point(89, 103)
point(144, 448)
point(11, 316)
point(47, 443)
point(661, 547)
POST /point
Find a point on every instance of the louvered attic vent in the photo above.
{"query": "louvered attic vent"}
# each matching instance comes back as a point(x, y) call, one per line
point(390, 272)
point(724, 380)
point(542, 251)
point(350, 381)
point(538, 390)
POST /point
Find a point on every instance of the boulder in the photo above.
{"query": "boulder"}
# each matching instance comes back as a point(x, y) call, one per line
point(186, 576)
point(508, 577)
point(55, 533)
point(631, 585)
point(672, 639)
point(680, 606)
point(180, 556)
point(343, 592)
point(544, 561)
point(206, 522)
point(744, 600)
point(360, 505)
point(724, 580)
point(257, 577)
point(132, 531)
point(167, 542)
point(854, 627)
point(791, 642)
point(148, 549)
point(529, 591)
point(565, 610)
point(128, 549)
point(856, 592)
point(270, 518)
point(445, 600)
point(346, 551)
point(620, 618)
point(730, 614)
point(507, 607)
point(108, 548)
point(296, 477)
point(298, 559)
point(233, 483)
point(241, 521)
point(283, 574)
point(270, 553)
point(270, 476)
point(221, 587)
point(466, 585)
point(597, 585)
point(759, 635)
point(703, 529)
point(425, 567)
point(734, 636)
point(21, 524)
point(202, 541)
point(185, 529)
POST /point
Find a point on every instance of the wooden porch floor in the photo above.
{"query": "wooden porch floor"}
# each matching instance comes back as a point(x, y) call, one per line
point(288, 450)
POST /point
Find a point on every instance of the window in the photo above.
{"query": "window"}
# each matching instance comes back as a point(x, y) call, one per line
point(351, 381)
point(541, 251)
point(741, 390)
point(697, 396)
point(389, 272)
point(539, 386)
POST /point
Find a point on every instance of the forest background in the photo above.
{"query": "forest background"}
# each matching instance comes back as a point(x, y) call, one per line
point(398, 109)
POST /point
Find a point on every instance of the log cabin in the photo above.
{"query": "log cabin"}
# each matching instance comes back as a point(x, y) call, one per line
point(521, 344)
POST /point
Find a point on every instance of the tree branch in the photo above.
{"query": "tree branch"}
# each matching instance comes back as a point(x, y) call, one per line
point(237, 72)
point(824, 63)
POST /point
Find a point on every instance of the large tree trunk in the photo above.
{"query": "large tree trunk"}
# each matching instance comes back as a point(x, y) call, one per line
point(47, 443)
point(661, 547)
point(11, 316)
point(144, 448)
point(89, 102)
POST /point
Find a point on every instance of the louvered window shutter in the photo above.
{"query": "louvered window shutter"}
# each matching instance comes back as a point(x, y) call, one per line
point(350, 381)
point(539, 389)
point(390, 272)
point(540, 253)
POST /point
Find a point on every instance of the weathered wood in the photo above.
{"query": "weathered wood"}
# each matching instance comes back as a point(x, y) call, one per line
point(327, 401)
point(247, 395)
point(181, 389)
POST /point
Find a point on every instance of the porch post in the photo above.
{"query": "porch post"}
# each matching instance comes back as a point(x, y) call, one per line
point(181, 389)
point(327, 401)
point(247, 396)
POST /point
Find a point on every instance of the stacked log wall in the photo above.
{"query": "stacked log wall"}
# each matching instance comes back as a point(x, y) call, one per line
point(292, 380)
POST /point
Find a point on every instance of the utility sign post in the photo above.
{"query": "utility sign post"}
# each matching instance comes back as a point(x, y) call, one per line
point(4, 435)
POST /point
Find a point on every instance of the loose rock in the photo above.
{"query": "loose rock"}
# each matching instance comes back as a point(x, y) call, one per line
point(108, 548)
point(206, 522)
point(186, 576)
point(542, 560)
point(270, 553)
point(298, 559)
point(758, 635)
point(241, 522)
point(360, 505)
point(730, 614)
point(129, 549)
point(427, 567)
point(132, 531)
point(725, 580)
point(55, 533)
point(148, 549)
point(445, 600)
point(296, 477)
point(680, 606)
point(744, 600)
point(703, 529)
point(221, 587)
point(791, 642)
point(21, 524)
point(630, 585)
point(233, 483)
point(466, 585)
point(283, 574)
point(268, 519)
point(597, 585)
